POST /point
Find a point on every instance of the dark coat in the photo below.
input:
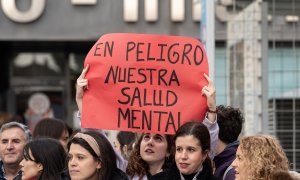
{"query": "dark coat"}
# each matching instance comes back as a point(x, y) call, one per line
point(224, 160)
point(2, 175)
point(119, 175)
point(173, 174)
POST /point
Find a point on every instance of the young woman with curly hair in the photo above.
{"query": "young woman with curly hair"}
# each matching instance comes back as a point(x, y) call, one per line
point(258, 158)
point(151, 154)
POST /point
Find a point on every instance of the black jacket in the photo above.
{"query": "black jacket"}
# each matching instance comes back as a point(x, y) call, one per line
point(173, 174)
point(119, 175)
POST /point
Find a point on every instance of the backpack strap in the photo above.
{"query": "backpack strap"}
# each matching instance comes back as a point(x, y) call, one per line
point(227, 170)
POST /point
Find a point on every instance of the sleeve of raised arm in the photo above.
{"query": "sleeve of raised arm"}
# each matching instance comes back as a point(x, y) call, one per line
point(213, 129)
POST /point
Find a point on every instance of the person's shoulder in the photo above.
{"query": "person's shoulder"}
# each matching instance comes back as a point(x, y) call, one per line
point(158, 176)
point(119, 175)
point(169, 174)
point(230, 175)
point(215, 178)
point(208, 177)
point(294, 174)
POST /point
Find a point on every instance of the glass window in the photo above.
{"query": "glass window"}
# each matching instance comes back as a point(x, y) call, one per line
point(290, 80)
point(285, 120)
point(274, 60)
point(289, 62)
point(286, 140)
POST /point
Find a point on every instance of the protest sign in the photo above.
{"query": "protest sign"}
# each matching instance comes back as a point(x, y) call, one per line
point(145, 83)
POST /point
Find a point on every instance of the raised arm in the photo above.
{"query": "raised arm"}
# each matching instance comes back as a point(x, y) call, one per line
point(81, 86)
point(210, 92)
point(210, 120)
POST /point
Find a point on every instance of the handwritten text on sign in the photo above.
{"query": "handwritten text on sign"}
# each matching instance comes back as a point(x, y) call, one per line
point(140, 82)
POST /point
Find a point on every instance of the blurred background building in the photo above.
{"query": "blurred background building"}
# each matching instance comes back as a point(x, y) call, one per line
point(257, 55)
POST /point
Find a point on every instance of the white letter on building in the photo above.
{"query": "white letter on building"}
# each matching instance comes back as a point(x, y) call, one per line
point(84, 2)
point(11, 11)
point(151, 10)
point(130, 10)
point(197, 10)
point(177, 10)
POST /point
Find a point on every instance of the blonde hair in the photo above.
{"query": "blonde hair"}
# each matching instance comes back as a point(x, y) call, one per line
point(265, 156)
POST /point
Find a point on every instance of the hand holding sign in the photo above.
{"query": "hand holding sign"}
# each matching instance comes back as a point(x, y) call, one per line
point(141, 82)
point(81, 86)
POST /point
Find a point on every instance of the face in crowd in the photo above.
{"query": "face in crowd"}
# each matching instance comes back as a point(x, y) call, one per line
point(44, 158)
point(64, 139)
point(82, 165)
point(30, 168)
point(154, 148)
point(12, 142)
point(192, 145)
point(269, 158)
point(86, 161)
point(240, 165)
point(59, 130)
point(189, 155)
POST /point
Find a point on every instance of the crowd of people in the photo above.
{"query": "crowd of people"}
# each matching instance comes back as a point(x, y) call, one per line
point(207, 150)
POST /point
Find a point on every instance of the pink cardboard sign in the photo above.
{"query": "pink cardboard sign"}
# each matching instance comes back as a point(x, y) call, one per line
point(144, 83)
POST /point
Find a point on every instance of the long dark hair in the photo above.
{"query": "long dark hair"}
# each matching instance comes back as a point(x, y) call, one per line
point(48, 152)
point(107, 153)
point(201, 133)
